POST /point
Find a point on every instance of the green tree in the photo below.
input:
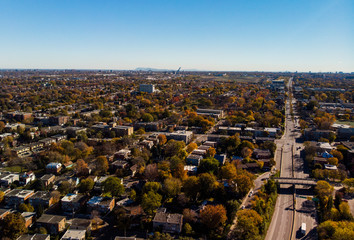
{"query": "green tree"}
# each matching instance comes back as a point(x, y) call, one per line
point(65, 187)
point(172, 187)
point(86, 185)
point(101, 165)
point(23, 207)
point(147, 117)
point(248, 225)
point(209, 165)
point(150, 202)
point(207, 184)
point(191, 187)
point(113, 186)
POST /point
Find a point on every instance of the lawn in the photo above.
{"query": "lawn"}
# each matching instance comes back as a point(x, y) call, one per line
point(15, 169)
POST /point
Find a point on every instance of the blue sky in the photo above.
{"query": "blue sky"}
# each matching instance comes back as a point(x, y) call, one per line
point(236, 35)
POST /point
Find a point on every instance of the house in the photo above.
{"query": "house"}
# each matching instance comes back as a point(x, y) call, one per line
point(168, 222)
point(6, 179)
point(26, 178)
point(54, 168)
point(147, 144)
point(210, 143)
point(215, 113)
point(22, 150)
point(123, 130)
point(193, 159)
point(36, 146)
point(4, 212)
point(53, 223)
point(133, 170)
point(59, 137)
point(101, 204)
point(122, 154)
point(147, 88)
point(34, 237)
point(221, 158)
point(74, 131)
point(29, 218)
point(81, 224)
point(47, 179)
point(199, 152)
point(185, 136)
point(73, 234)
point(119, 164)
point(58, 120)
point(191, 170)
point(262, 153)
point(47, 142)
point(17, 196)
point(43, 198)
point(72, 202)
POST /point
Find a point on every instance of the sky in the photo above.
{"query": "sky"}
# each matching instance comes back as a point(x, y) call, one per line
point(216, 35)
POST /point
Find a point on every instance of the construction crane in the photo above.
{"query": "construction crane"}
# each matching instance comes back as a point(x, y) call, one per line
point(178, 70)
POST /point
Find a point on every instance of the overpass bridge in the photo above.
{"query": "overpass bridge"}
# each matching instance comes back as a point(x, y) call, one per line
point(297, 181)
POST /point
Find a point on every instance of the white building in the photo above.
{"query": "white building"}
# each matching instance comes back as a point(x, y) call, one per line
point(148, 88)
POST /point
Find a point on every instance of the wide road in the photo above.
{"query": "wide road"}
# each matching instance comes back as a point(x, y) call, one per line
point(291, 165)
point(280, 227)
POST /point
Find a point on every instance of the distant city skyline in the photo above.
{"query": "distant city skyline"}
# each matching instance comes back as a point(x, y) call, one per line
point(257, 35)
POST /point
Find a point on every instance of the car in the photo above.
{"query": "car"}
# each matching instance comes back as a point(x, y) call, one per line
point(250, 194)
point(243, 207)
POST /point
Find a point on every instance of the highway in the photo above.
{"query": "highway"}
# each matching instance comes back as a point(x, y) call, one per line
point(292, 166)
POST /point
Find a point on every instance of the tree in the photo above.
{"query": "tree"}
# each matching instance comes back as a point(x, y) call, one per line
point(211, 152)
point(175, 148)
point(323, 189)
point(191, 187)
point(151, 172)
point(189, 216)
point(172, 187)
point(152, 186)
point(345, 211)
point(86, 185)
point(333, 161)
point(23, 207)
point(207, 184)
point(113, 186)
point(192, 146)
point(162, 139)
point(150, 202)
point(39, 211)
point(210, 165)
point(2, 194)
point(101, 165)
point(81, 167)
point(65, 187)
point(147, 117)
point(213, 216)
point(2, 126)
point(13, 225)
point(228, 171)
point(248, 225)
point(244, 184)
point(161, 236)
point(337, 154)
point(348, 183)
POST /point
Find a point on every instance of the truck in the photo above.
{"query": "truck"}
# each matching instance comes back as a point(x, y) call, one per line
point(303, 228)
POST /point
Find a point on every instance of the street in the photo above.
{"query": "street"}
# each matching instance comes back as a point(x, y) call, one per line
point(291, 165)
